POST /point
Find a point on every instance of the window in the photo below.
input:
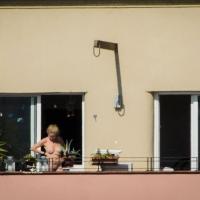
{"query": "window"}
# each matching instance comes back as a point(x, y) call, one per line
point(23, 120)
point(15, 124)
point(66, 112)
point(176, 123)
point(175, 131)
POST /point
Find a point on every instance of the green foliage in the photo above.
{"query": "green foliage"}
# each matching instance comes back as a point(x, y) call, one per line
point(107, 155)
point(68, 146)
point(75, 152)
point(3, 151)
point(29, 158)
point(68, 151)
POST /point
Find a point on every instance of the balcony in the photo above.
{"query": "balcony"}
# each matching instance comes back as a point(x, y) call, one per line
point(98, 165)
point(131, 178)
point(100, 185)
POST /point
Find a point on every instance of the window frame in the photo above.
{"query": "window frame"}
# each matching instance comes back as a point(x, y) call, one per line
point(36, 118)
point(193, 129)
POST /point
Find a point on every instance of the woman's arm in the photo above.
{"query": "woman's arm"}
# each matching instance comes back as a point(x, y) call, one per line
point(36, 147)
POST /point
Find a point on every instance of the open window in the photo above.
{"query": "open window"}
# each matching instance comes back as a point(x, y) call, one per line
point(24, 119)
point(176, 131)
point(66, 112)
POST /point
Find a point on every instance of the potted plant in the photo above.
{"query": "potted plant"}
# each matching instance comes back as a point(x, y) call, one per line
point(29, 162)
point(69, 155)
point(100, 158)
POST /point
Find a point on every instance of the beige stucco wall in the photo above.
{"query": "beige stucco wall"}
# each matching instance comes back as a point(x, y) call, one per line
point(50, 50)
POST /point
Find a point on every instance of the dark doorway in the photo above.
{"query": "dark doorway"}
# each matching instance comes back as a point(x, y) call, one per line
point(175, 131)
point(66, 112)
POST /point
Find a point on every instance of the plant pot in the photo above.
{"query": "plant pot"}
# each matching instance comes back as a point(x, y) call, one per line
point(67, 162)
point(28, 165)
point(101, 161)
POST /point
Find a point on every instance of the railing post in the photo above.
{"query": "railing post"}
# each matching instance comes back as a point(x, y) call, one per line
point(147, 163)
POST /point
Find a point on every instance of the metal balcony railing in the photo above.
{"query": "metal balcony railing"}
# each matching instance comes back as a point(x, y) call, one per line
point(89, 164)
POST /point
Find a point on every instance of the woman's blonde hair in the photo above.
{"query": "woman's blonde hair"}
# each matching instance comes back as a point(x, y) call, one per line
point(53, 128)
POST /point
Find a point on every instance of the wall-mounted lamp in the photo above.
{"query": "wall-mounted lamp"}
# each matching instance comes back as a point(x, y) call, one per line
point(98, 44)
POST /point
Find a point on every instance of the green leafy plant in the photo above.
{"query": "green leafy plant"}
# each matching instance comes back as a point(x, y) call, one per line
point(104, 156)
point(68, 151)
point(3, 151)
point(75, 153)
point(68, 147)
point(29, 158)
point(69, 154)
point(29, 162)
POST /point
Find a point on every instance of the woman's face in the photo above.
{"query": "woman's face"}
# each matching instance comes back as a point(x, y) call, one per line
point(52, 136)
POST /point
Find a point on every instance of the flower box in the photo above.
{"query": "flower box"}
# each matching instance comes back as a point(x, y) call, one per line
point(104, 157)
point(107, 161)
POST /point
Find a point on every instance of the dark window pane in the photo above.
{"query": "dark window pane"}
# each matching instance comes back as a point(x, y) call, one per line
point(15, 125)
point(66, 112)
point(175, 131)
